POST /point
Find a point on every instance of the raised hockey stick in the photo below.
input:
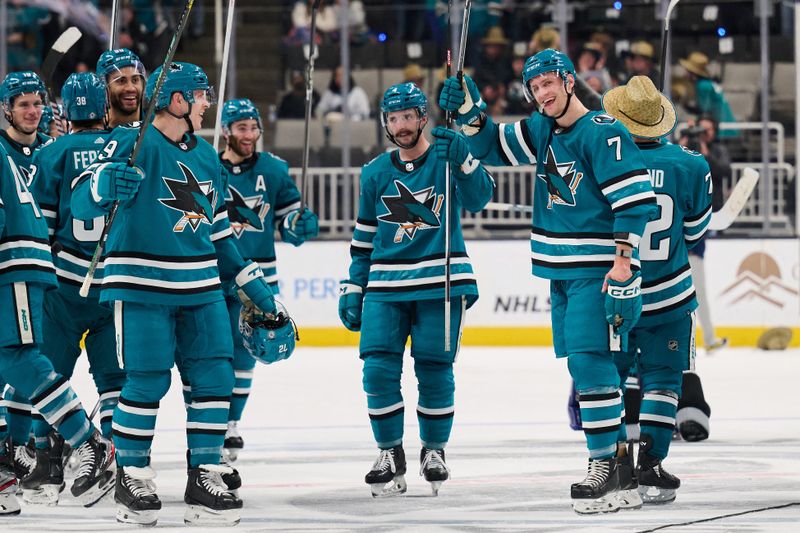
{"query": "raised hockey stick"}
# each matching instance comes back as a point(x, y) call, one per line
point(112, 31)
point(665, 44)
point(223, 74)
point(309, 104)
point(57, 52)
point(137, 144)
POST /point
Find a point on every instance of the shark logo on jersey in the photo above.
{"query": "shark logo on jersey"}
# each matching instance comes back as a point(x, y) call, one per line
point(562, 180)
point(246, 213)
point(194, 199)
point(412, 211)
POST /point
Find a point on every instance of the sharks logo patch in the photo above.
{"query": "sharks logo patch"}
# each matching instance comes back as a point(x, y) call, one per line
point(246, 213)
point(562, 180)
point(194, 199)
point(412, 211)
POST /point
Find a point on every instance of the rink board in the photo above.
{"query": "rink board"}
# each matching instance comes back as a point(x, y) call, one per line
point(753, 285)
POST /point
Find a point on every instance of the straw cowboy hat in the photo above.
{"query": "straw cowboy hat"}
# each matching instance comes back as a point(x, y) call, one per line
point(641, 108)
point(495, 35)
point(413, 72)
point(697, 63)
point(641, 48)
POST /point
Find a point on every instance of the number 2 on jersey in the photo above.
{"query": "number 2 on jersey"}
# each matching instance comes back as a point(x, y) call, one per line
point(651, 249)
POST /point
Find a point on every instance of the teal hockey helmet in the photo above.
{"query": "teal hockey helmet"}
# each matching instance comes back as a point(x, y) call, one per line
point(548, 60)
point(112, 61)
point(17, 83)
point(403, 96)
point(184, 78)
point(240, 109)
point(268, 338)
point(84, 97)
point(46, 121)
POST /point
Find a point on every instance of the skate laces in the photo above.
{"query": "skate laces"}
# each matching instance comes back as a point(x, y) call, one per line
point(139, 487)
point(212, 482)
point(86, 458)
point(435, 460)
point(385, 461)
point(597, 473)
point(23, 458)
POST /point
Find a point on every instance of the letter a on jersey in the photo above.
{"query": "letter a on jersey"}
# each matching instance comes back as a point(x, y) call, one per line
point(562, 180)
point(195, 200)
point(246, 213)
point(412, 211)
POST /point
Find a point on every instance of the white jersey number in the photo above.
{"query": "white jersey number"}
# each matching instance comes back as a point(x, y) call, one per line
point(25, 197)
point(88, 230)
point(659, 251)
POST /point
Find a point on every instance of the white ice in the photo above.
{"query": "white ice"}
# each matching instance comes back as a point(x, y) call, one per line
point(308, 445)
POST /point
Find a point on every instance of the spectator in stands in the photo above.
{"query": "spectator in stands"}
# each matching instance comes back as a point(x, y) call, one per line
point(639, 61)
point(702, 137)
point(493, 65)
point(413, 73)
point(332, 102)
point(24, 41)
point(591, 66)
point(544, 38)
point(710, 100)
point(493, 95)
point(515, 95)
point(293, 103)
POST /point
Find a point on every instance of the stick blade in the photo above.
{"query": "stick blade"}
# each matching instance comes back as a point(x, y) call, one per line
point(67, 39)
point(723, 218)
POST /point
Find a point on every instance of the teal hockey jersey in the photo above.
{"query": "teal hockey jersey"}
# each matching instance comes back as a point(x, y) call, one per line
point(22, 154)
point(260, 194)
point(24, 245)
point(57, 166)
point(164, 245)
point(682, 182)
point(592, 189)
point(398, 246)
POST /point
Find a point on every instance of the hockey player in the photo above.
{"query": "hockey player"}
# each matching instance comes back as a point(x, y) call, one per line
point(26, 272)
point(592, 201)
point(165, 256)
point(66, 315)
point(24, 97)
point(261, 196)
point(124, 76)
point(396, 284)
point(665, 333)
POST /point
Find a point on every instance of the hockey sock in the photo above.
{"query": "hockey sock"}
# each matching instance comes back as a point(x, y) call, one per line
point(134, 419)
point(243, 372)
point(108, 402)
point(40, 430)
point(19, 416)
point(207, 416)
point(436, 398)
point(187, 392)
point(597, 382)
point(61, 408)
point(657, 419)
point(381, 380)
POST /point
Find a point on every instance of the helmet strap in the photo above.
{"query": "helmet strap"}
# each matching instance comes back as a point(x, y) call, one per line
point(185, 116)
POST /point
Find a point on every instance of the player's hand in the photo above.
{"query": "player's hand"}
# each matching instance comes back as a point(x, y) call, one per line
point(624, 302)
point(299, 226)
point(464, 99)
point(115, 181)
point(253, 288)
point(351, 300)
point(452, 146)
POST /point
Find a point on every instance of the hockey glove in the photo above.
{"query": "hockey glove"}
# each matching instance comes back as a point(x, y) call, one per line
point(465, 99)
point(351, 299)
point(452, 146)
point(624, 303)
point(254, 289)
point(115, 181)
point(299, 226)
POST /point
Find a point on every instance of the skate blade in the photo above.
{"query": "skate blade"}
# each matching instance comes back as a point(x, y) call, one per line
point(139, 518)
point(198, 515)
point(9, 505)
point(629, 499)
point(435, 485)
point(607, 504)
point(394, 488)
point(96, 493)
point(44, 495)
point(656, 495)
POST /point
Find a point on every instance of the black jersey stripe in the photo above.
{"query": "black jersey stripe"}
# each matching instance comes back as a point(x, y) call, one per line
point(670, 307)
point(578, 264)
point(162, 290)
point(698, 217)
point(526, 136)
point(572, 235)
point(20, 238)
point(417, 260)
point(653, 282)
point(631, 205)
point(421, 286)
point(622, 177)
point(366, 222)
point(163, 258)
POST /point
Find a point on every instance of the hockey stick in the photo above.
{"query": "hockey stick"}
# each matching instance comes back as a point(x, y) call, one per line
point(223, 75)
point(665, 44)
point(137, 144)
point(462, 44)
point(112, 32)
point(309, 104)
point(57, 52)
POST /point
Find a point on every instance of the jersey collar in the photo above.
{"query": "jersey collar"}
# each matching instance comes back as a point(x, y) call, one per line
point(244, 166)
point(408, 167)
point(25, 149)
point(187, 142)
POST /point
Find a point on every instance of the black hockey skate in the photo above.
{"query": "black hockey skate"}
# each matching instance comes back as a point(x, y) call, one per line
point(24, 459)
point(135, 494)
point(96, 468)
point(597, 492)
point(628, 493)
point(8, 481)
point(387, 477)
point(656, 485)
point(44, 484)
point(692, 419)
point(209, 501)
point(433, 468)
point(233, 442)
point(232, 480)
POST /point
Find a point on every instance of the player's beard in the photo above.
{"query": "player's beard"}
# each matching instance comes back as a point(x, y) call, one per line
point(414, 137)
point(233, 144)
point(121, 107)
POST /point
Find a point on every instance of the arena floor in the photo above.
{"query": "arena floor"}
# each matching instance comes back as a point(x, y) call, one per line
point(512, 454)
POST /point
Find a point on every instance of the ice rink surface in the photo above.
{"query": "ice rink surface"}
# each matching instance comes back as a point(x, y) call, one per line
point(512, 454)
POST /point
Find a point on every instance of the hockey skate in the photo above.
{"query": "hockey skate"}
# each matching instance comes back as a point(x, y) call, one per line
point(232, 479)
point(717, 344)
point(692, 418)
point(8, 481)
point(433, 468)
point(135, 494)
point(209, 501)
point(656, 485)
point(628, 493)
point(44, 484)
point(233, 442)
point(387, 477)
point(24, 459)
point(597, 492)
point(96, 469)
